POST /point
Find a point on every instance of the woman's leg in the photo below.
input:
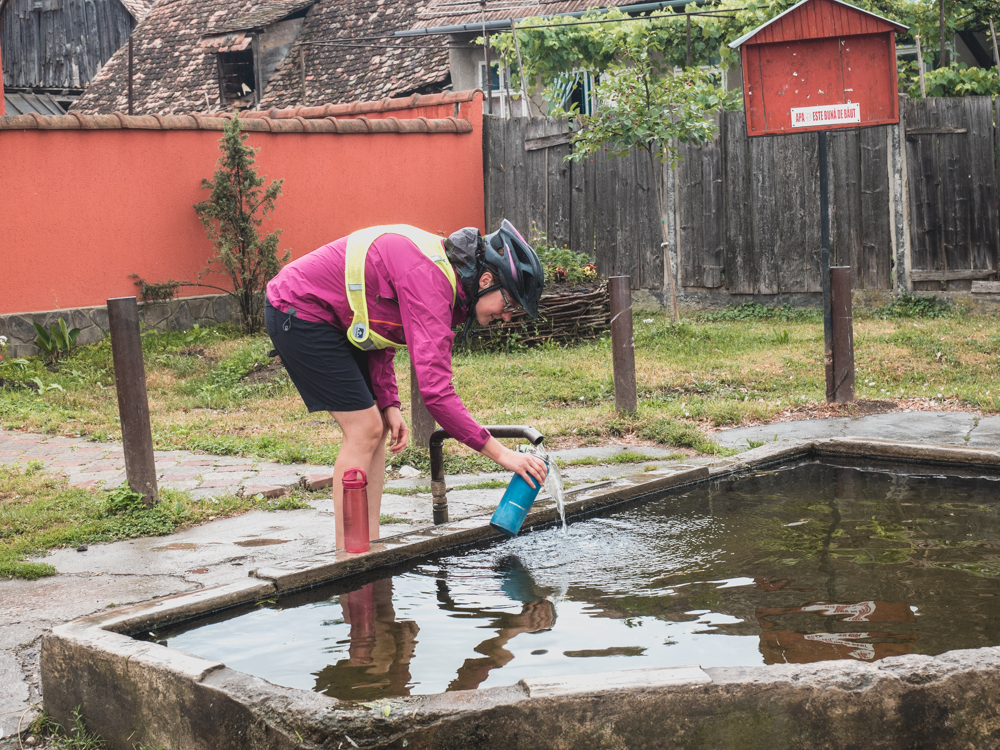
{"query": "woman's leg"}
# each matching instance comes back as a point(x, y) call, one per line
point(363, 447)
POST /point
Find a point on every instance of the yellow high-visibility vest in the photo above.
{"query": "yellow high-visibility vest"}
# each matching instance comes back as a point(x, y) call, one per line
point(360, 333)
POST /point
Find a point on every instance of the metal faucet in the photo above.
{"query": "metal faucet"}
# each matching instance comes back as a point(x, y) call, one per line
point(438, 488)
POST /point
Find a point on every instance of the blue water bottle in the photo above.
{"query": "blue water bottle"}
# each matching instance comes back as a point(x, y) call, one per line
point(514, 506)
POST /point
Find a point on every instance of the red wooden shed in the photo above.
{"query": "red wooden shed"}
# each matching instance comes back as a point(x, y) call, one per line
point(820, 65)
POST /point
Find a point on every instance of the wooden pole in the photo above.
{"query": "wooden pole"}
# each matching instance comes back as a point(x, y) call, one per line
point(920, 69)
point(133, 403)
point(943, 60)
point(622, 343)
point(131, 59)
point(302, 72)
point(689, 40)
point(996, 54)
point(421, 422)
point(843, 334)
point(525, 105)
point(824, 260)
point(656, 165)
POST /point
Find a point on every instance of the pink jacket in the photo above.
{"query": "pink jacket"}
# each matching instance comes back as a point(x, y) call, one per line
point(409, 301)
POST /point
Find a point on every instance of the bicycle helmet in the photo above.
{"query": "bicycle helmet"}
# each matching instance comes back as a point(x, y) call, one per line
point(518, 265)
point(505, 254)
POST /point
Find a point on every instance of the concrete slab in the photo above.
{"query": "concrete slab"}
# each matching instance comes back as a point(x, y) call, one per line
point(934, 427)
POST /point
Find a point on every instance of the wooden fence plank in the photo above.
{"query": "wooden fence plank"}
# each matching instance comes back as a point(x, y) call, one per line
point(650, 234)
point(736, 201)
point(983, 193)
point(711, 218)
point(581, 222)
point(536, 182)
point(874, 259)
point(605, 215)
point(924, 187)
point(956, 185)
point(762, 213)
point(560, 191)
point(790, 211)
point(497, 137)
point(690, 214)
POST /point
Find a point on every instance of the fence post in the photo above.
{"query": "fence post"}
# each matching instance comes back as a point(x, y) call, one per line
point(421, 422)
point(133, 403)
point(622, 342)
point(843, 334)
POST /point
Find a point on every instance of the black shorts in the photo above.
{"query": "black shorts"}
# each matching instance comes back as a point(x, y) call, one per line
point(330, 373)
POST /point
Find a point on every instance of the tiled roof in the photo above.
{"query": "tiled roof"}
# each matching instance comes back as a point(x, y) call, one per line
point(118, 121)
point(176, 49)
point(338, 74)
point(358, 109)
point(138, 8)
point(259, 17)
point(439, 13)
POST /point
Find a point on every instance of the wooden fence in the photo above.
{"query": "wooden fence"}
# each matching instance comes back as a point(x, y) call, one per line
point(743, 213)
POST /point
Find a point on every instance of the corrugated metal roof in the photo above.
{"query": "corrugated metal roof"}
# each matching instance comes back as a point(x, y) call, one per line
point(25, 104)
point(750, 34)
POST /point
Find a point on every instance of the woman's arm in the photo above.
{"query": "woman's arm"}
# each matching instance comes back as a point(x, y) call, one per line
point(528, 466)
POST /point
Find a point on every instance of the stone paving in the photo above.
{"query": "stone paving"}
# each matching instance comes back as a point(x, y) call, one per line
point(89, 464)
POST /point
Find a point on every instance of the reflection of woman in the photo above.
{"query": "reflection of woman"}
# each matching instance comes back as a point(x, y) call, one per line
point(337, 315)
point(534, 617)
point(380, 648)
point(537, 614)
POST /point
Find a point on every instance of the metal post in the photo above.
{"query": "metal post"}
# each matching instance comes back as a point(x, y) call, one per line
point(133, 404)
point(843, 334)
point(622, 342)
point(439, 490)
point(824, 261)
point(421, 421)
point(130, 71)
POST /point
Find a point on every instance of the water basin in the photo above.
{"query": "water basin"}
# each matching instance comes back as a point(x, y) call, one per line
point(815, 560)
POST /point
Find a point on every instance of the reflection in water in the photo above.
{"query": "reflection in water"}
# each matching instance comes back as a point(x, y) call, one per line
point(806, 563)
point(379, 648)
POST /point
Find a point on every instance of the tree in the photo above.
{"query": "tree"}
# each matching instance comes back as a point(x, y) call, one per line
point(232, 215)
point(645, 102)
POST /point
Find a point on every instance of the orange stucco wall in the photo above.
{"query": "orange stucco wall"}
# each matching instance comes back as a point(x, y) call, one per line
point(81, 210)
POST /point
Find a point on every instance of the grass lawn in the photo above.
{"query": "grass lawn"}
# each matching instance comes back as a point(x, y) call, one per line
point(218, 391)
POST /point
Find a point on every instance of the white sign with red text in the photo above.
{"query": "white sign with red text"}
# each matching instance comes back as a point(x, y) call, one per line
point(828, 114)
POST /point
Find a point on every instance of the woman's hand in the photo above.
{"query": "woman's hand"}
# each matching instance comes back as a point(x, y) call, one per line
point(398, 431)
point(531, 468)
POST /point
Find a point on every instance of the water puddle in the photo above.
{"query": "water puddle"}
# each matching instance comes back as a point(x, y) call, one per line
point(816, 561)
point(260, 542)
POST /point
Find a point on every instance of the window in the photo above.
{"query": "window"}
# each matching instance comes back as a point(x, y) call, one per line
point(577, 89)
point(236, 75)
point(497, 77)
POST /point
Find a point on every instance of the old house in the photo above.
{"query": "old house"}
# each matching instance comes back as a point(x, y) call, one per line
point(462, 23)
point(54, 48)
point(207, 55)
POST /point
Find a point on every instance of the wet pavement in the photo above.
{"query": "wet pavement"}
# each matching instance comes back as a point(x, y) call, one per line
point(109, 575)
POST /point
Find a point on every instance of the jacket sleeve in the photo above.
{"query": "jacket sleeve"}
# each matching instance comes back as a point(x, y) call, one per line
point(380, 367)
point(425, 302)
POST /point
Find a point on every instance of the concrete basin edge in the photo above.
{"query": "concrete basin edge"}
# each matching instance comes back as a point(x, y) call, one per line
point(135, 692)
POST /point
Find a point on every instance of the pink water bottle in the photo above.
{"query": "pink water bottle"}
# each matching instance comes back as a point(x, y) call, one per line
point(355, 511)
